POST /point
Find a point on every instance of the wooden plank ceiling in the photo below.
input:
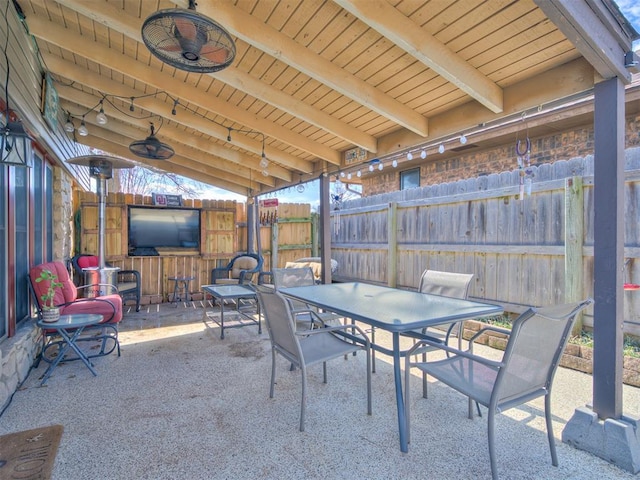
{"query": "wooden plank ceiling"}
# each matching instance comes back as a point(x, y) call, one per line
point(312, 79)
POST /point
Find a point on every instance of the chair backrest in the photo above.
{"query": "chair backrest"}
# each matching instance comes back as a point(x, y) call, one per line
point(535, 345)
point(249, 262)
point(447, 284)
point(280, 322)
point(85, 261)
point(67, 293)
point(293, 277)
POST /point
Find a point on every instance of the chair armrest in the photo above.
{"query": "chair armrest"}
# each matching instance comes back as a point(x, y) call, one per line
point(263, 276)
point(219, 272)
point(247, 275)
point(490, 328)
point(134, 273)
point(420, 347)
point(360, 336)
point(114, 288)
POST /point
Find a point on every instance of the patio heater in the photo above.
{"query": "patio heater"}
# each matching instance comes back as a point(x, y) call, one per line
point(101, 168)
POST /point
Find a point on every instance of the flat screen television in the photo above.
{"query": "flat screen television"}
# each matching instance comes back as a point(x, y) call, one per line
point(155, 227)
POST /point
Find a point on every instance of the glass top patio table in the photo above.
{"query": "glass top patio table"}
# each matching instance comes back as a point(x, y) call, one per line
point(393, 310)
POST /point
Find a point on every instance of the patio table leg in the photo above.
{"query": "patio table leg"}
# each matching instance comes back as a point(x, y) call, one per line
point(402, 425)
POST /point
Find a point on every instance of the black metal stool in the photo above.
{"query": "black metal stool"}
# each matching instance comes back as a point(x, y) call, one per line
point(181, 287)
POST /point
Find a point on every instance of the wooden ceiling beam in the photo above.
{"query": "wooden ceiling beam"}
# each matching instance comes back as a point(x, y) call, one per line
point(406, 34)
point(227, 159)
point(282, 47)
point(116, 144)
point(115, 60)
point(79, 75)
point(124, 134)
point(114, 18)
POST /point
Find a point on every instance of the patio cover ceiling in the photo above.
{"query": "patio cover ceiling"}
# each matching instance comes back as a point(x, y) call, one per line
point(315, 79)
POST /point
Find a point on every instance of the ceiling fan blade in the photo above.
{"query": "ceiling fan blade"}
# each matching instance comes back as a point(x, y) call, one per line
point(214, 54)
point(186, 28)
point(170, 47)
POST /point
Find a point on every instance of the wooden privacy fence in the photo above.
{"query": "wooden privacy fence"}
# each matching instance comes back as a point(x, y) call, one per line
point(534, 251)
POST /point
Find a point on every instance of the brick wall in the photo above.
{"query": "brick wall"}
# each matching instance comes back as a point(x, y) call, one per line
point(578, 142)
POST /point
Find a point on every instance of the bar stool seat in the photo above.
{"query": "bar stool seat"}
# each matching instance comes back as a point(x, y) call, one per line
point(181, 289)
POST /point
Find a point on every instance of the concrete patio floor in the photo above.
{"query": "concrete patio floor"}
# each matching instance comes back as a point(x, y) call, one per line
point(182, 404)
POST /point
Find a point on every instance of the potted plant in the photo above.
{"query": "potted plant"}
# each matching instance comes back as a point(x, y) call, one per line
point(50, 313)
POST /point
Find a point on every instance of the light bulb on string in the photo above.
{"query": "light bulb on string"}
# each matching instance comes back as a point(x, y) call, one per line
point(371, 168)
point(409, 156)
point(69, 126)
point(342, 174)
point(265, 173)
point(82, 130)
point(349, 176)
point(423, 154)
point(300, 188)
point(380, 166)
point(101, 118)
point(463, 139)
point(441, 148)
point(394, 164)
point(359, 174)
point(264, 163)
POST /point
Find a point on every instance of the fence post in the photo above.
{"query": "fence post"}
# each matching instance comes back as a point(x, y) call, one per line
point(314, 235)
point(392, 236)
point(574, 234)
point(274, 245)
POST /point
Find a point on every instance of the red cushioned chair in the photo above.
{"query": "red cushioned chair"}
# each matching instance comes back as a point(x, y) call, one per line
point(66, 298)
point(128, 280)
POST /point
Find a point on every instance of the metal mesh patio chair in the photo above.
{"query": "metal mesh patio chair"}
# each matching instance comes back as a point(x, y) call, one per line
point(447, 284)
point(526, 371)
point(309, 347)
point(301, 277)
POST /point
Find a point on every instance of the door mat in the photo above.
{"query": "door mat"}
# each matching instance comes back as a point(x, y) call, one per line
point(29, 454)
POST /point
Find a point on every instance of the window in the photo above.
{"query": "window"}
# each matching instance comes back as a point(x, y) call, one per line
point(410, 179)
point(21, 242)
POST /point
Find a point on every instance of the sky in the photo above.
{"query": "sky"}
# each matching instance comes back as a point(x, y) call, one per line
point(629, 8)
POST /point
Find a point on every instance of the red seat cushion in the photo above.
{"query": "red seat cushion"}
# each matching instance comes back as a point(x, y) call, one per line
point(88, 261)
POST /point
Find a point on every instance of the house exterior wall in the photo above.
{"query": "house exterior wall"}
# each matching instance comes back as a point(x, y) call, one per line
point(577, 142)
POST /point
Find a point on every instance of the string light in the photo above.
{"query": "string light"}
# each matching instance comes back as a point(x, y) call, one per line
point(394, 164)
point(463, 139)
point(409, 156)
point(82, 130)
point(69, 127)
point(359, 174)
point(441, 148)
point(380, 166)
point(423, 154)
point(101, 118)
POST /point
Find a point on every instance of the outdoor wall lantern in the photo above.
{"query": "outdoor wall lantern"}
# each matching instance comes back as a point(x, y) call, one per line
point(15, 145)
